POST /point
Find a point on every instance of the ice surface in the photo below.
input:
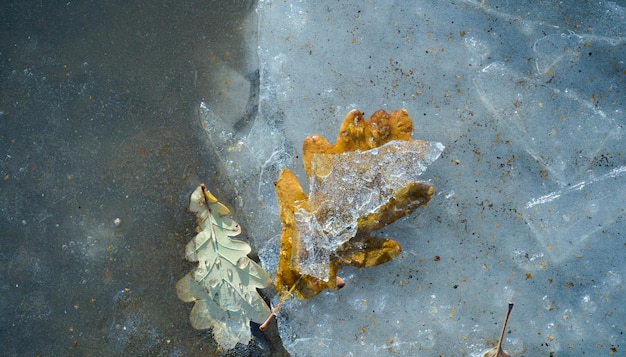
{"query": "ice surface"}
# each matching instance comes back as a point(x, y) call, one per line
point(95, 126)
point(564, 219)
point(251, 162)
point(373, 177)
point(528, 100)
point(559, 129)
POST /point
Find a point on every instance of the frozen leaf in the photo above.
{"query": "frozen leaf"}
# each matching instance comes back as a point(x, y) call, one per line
point(368, 179)
point(498, 351)
point(224, 284)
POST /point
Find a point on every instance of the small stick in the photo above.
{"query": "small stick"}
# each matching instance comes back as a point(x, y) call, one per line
point(277, 307)
point(340, 284)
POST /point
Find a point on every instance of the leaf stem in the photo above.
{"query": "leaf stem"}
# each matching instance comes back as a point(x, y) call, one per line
point(506, 320)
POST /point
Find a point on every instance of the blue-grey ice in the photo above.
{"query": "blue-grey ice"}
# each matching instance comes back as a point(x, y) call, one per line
point(528, 99)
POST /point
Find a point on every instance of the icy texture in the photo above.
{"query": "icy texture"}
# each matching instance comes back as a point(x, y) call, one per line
point(548, 122)
point(253, 161)
point(373, 177)
point(528, 100)
point(598, 202)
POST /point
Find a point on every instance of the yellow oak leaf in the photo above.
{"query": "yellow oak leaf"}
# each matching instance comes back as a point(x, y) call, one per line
point(368, 179)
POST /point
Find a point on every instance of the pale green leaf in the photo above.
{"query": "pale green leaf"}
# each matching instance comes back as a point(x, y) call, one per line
point(224, 284)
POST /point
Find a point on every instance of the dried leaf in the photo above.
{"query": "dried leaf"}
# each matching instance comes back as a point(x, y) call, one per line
point(367, 180)
point(224, 284)
point(498, 351)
